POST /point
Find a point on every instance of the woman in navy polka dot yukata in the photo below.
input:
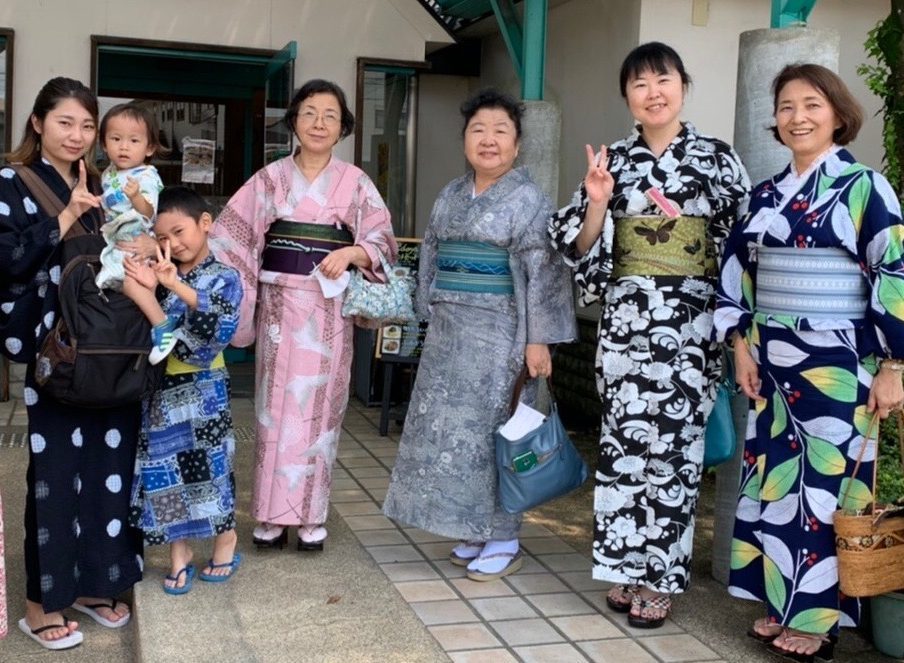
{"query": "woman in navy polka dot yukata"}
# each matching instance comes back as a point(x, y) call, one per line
point(79, 549)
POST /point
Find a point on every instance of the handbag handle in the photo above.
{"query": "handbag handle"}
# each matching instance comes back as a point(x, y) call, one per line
point(874, 428)
point(519, 385)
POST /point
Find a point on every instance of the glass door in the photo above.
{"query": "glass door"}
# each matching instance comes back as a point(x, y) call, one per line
point(385, 145)
point(279, 81)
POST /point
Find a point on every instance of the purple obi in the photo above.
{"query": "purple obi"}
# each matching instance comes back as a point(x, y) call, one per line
point(297, 248)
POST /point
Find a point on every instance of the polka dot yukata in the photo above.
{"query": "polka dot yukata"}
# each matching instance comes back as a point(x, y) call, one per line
point(77, 540)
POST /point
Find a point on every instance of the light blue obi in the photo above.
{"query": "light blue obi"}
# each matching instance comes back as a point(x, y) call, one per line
point(473, 267)
point(810, 283)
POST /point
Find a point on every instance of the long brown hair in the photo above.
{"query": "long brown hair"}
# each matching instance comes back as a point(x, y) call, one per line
point(51, 95)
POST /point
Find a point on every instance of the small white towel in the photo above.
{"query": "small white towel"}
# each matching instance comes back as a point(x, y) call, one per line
point(332, 287)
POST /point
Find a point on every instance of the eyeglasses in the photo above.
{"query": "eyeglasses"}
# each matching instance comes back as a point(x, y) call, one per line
point(328, 118)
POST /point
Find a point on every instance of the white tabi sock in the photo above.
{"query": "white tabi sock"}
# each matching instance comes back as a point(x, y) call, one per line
point(468, 549)
point(488, 562)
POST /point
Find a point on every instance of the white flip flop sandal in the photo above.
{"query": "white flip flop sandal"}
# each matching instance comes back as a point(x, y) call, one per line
point(92, 611)
point(508, 569)
point(74, 639)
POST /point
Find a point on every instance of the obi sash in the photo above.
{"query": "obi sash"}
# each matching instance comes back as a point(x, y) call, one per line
point(297, 248)
point(659, 246)
point(178, 367)
point(810, 283)
point(473, 267)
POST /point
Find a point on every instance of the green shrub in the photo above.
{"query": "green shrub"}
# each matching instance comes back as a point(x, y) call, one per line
point(890, 475)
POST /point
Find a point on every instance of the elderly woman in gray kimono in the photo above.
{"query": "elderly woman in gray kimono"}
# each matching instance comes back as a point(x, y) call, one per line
point(496, 296)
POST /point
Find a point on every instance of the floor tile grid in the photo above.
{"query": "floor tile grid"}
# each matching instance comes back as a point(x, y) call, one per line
point(625, 631)
point(432, 563)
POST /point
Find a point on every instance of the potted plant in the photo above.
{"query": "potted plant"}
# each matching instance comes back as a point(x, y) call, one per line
point(885, 78)
point(887, 610)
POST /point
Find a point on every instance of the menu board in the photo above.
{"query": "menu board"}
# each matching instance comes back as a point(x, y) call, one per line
point(403, 343)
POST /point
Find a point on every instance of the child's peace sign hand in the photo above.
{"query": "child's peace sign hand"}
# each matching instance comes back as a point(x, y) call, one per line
point(166, 271)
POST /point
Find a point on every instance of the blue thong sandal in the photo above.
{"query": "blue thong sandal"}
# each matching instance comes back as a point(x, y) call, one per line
point(189, 571)
point(233, 566)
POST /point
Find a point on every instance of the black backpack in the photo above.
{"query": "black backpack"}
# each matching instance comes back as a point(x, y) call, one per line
point(96, 354)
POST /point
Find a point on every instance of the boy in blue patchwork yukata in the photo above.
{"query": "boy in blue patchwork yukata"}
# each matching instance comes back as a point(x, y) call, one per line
point(183, 486)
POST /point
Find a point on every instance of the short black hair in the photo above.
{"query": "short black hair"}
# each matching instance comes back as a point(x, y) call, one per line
point(493, 98)
point(320, 86)
point(138, 113)
point(184, 200)
point(653, 56)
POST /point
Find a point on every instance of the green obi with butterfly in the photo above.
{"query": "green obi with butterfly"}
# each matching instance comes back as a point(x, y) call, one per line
point(660, 246)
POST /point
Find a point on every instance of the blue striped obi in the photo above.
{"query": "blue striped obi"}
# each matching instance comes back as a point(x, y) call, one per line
point(810, 283)
point(473, 267)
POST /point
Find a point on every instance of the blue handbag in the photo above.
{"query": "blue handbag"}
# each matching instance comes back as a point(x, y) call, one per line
point(541, 465)
point(720, 440)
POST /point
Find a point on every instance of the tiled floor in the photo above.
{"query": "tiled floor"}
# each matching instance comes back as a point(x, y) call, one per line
point(551, 610)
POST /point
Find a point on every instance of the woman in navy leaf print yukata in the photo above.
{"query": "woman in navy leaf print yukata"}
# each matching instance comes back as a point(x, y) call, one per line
point(79, 548)
point(810, 296)
point(643, 233)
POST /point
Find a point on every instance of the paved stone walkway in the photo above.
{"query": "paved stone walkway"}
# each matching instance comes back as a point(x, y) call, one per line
point(551, 610)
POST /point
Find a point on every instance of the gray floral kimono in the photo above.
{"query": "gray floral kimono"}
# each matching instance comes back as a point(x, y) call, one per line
point(444, 480)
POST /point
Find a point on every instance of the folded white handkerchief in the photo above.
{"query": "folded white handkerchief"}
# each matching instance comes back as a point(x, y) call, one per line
point(522, 422)
point(333, 287)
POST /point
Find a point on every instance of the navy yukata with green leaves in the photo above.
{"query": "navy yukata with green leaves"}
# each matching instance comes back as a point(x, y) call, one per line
point(804, 438)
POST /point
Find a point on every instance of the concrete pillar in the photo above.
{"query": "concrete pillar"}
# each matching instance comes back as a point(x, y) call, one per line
point(762, 54)
point(541, 129)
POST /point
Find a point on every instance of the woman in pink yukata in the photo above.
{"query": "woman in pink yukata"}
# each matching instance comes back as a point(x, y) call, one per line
point(305, 212)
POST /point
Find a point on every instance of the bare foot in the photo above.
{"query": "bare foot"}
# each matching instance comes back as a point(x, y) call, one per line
point(799, 642)
point(36, 618)
point(646, 611)
point(619, 597)
point(180, 557)
point(121, 611)
point(767, 628)
point(223, 553)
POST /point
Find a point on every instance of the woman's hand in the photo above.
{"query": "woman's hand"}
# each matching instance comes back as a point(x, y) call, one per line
point(538, 360)
point(334, 264)
point(143, 246)
point(886, 393)
point(140, 271)
point(80, 201)
point(165, 269)
point(747, 373)
point(598, 181)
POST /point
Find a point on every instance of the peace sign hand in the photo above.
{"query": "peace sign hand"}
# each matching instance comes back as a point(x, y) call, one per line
point(166, 271)
point(81, 199)
point(598, 182)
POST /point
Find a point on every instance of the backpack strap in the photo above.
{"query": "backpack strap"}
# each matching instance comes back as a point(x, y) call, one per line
point(50, 202)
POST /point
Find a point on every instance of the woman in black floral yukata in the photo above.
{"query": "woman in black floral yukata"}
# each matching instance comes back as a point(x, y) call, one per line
point(643, 234)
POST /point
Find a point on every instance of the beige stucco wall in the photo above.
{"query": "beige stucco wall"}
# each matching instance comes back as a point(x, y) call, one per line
point(53, 37)
point(586, 42)
point(710, 54)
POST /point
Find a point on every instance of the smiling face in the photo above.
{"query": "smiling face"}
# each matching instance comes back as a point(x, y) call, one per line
point(126, 141)
point(319, 123)
point(67, 133)
point(806, 121)
point(491, 143)
point(186, 237)
point(655, 99)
